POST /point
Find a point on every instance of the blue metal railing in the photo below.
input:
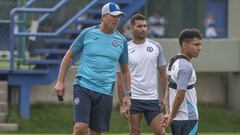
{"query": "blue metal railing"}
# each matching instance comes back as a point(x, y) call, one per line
point(47, 11)
point(15, 11)
point(29, 3)
point(45, 16)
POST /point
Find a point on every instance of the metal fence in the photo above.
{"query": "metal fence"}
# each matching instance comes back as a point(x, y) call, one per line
point(26, 22)
point(5, 8)
point(210, 16)
point(168, 17)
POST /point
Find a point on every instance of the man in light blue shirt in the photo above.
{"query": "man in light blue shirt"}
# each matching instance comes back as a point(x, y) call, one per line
point(101, 48)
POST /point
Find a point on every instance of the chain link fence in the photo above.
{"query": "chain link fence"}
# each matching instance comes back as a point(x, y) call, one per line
point(174, 15)
point(166, 18)
point(210, 16)
point(27, 22)
point(5, 8)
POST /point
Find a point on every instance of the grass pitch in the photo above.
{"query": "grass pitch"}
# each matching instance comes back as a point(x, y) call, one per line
point(125, 134)
point(50, 119)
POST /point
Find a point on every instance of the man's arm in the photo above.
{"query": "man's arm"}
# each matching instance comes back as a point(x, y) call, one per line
point(67, 59)
point(184, 76)
point(120, 88)
point(126, 81)
point(168, 118)
point(126, 77)
point(164, 85)
point(177, 102)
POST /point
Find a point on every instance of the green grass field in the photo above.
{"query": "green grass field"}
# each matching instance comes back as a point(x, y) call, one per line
point(127, 134)
point(50, 119)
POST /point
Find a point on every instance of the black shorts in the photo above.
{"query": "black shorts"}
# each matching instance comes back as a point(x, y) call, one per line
point(92, 108)
point(184, 127)
point(150, 108)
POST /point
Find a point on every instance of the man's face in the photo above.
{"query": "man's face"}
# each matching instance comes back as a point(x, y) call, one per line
point(111, 21)
point(139, 29)
point(193, 48)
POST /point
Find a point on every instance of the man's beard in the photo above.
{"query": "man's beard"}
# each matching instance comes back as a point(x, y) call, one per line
point(141, 37)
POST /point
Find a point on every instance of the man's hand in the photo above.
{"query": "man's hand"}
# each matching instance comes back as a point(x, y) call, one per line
point(124, 110)
point(59, 90)
point(125, 107)
point(166, 120)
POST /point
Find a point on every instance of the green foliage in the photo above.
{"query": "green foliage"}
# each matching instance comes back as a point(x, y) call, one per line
point(57, 118)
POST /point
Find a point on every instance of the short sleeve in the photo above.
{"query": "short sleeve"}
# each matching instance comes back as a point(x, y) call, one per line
point(161, 61)
point(184, 75)
point(78, 43)
point(124, 56)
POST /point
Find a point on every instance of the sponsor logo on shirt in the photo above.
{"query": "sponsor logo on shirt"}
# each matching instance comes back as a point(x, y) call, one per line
point(95, 38)
point(115, 43)
point(132, 51)
point(149, 48)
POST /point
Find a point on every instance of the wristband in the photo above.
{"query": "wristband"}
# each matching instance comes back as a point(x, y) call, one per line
point(127, 93)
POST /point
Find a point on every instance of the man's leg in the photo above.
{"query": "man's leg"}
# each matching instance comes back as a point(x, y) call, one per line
point(153, 116)
point(101, 111)
point(91, 132)
point(135, 124)
point(155, 125)
point(79, 128)
point(81, 108)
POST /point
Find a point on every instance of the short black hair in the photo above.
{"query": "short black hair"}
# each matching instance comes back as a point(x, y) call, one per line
point(188, 34)
point(136, 17)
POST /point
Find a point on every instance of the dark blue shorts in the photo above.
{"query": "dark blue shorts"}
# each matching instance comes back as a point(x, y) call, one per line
point(150, 108)
point(92, 108)
point(184, 127)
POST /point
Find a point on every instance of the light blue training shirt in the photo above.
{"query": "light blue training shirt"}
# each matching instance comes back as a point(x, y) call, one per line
point(100, 53)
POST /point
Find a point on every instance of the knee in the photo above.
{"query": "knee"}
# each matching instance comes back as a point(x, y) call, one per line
point(79, 128)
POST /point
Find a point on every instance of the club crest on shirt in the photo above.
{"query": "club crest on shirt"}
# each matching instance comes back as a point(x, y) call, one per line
point(149, 48)
point(115, 43)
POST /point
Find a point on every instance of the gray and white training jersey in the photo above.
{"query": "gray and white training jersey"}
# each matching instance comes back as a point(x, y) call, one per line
point(144, 59)
point(183, 75)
